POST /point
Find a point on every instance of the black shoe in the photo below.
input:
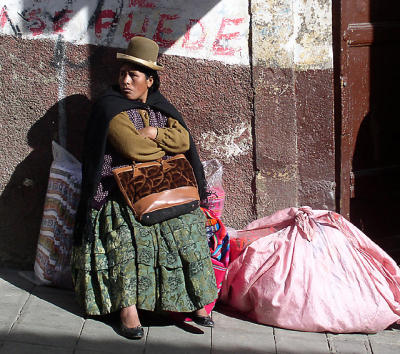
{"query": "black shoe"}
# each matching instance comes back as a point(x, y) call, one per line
point(131, 333)
point(204, 321)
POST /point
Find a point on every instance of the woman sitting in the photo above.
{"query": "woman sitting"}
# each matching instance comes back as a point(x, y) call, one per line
point(118, 264)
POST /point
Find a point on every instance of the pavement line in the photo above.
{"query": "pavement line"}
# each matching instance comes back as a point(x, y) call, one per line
point(211, 339)
point(145, 340)
point(20, 311)
point(79, 336)
point(330, 345)
point(370, 345)
point(274, 334)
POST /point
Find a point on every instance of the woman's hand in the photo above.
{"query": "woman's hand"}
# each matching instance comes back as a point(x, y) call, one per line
point(148, 132)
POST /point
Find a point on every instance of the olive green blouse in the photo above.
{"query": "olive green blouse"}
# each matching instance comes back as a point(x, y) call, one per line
point(125, 138)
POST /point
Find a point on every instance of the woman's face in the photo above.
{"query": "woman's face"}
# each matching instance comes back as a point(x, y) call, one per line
point(133, 83)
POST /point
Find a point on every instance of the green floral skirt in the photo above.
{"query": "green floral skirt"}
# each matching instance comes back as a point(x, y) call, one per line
point(163, 267)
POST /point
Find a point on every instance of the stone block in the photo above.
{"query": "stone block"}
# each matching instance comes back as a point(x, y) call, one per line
point(24, 348)
point(99, 337)
point(187, 338)
point(239, 336)
point(349, 343)
point(45, 323)
point(387, 342)
point(288, 341)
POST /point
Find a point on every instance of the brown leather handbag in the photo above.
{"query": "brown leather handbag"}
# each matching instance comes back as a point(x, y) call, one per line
point(159, 190)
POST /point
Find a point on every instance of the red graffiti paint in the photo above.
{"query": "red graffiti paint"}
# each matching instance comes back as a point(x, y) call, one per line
point(142, 3)
point(100, 25)
point(62, 19)
point(38, 25)
point(161, 30)
point(3, 17)
point(127, 28)
point(186, 39)
point(220, 44)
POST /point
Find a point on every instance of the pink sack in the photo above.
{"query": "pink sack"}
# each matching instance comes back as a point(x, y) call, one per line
point(320, 273)
point(241, 239)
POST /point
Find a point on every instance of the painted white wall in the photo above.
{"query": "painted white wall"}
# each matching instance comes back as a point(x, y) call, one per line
point(286, 33)
point(292, 33)
point(203, 29)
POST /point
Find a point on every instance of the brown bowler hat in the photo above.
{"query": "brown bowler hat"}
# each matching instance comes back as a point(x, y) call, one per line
point(142, 51)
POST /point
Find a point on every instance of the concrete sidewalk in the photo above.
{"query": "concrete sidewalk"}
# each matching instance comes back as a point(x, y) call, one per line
point(36, 319)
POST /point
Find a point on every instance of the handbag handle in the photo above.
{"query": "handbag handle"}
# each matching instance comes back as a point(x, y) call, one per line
point(160, 160)
point(147, 163)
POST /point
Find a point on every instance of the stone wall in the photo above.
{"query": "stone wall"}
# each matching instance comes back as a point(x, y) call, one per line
point(253, 80)
point(293, 104)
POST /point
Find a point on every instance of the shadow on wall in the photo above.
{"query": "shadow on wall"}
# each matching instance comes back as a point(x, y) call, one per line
point(88, 69)
point(21, 203)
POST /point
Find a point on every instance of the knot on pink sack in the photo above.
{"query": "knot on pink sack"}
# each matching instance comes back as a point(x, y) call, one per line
point(304, 222)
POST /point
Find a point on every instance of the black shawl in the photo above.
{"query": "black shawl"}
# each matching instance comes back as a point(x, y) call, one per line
point(107, 107)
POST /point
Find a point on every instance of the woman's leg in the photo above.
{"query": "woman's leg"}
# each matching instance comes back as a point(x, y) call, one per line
point(129, 317)
point(202, 318)
point(130, 323)
point(201, 312)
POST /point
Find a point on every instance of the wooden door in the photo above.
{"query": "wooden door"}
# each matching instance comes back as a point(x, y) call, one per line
point(370, 119)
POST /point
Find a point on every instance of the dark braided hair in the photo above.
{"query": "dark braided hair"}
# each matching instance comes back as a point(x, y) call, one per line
point(156, 79)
